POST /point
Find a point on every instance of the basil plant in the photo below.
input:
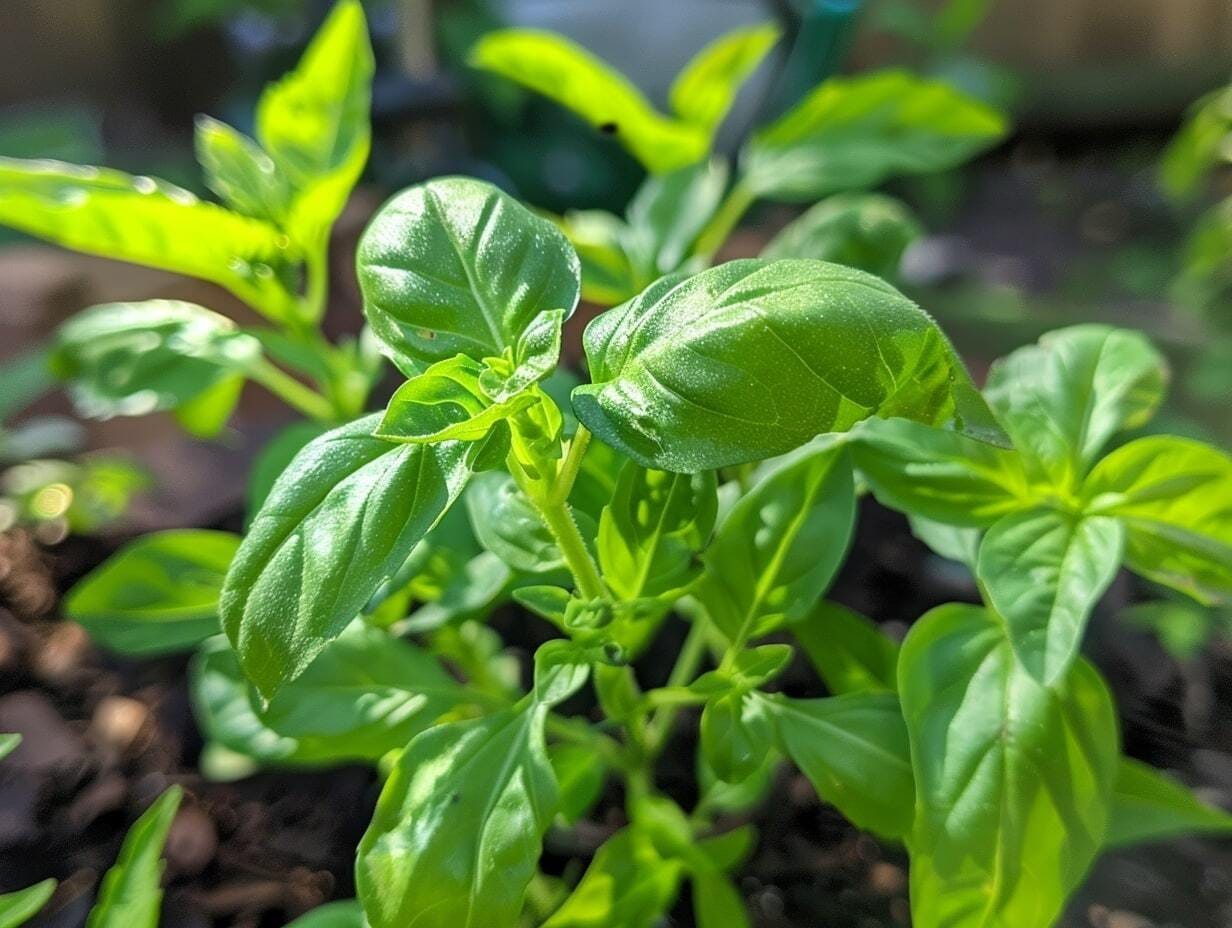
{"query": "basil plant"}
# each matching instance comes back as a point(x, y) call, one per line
point(700, 485)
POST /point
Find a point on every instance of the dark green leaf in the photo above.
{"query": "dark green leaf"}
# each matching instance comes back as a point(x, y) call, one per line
point(1150, 806)
point(131, 893)
point(850, 652)
point(868, 231)
point(274, 458)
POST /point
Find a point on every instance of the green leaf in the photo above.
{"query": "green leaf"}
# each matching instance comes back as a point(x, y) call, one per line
point(849, 652)
point(150, 222)
point(314, 122)
point(157, 594)
point(130, 359)
point(599, 238)
point(344, 914)
point(853, 749)
point(206, 414)
point(949, 541)
point(242, 175)
point(653, 529)
point(274, 458)
point(568, 74)
point(867, 231)
point(8, 744)
point(1044, 571)
point(131, 895)
point(736, 734)
point(853, 133)
point(717, 903)
point(581, 774)
point(703, 92)
point(666, 216)
point(455, 266)
point(1174, 497)
point(1064, 398)
point(341, 519)
point(508, 525)
point(628, 884)
point(1013, 779)
point(19, 907)
point(778, 549)
point(1150, 806)
point(367, 693)
point(1199, 148)
point(751, 359)
point(938, 474)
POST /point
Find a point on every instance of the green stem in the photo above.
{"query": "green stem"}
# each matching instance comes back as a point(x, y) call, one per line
point(724, 221)
point(560, 522)
point(683, 671)
point(572, 464)
point(308, 401)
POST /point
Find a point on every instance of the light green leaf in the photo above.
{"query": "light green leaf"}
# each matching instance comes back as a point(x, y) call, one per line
point(849, 652)
point(867, 231)
point(8, 744)
point(482, 584)
point(1044, 571)
point(508, 525)
point(581, 773)
point(367, 693)
point(206, 414)
point(949, 541)
point(130, 359)
point(157, 594)
point(455, 266)
point(703, 92)
point(574, 78)
point(751, 359)
point(853, 749)
point(1199, 148)
point(242, 175)
point(344, 914)
point(853, 133)
point(717, 903)
point(1150, 806)
point(341, 519)
point(1174, 497)
point(780, 546)
point(666, 216)
point(736, 734)
point(131, 895)
point(1064, 398)
point(653, 529)
point(19, 907)
point(1013, 779)
point(150, 222)
point(628, 884)
point(599, 238)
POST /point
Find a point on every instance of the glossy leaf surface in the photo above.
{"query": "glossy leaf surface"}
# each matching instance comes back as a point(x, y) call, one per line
point(867, 231)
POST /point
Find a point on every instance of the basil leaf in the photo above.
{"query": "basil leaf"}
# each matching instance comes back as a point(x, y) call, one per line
point(751, 359)
point(344, 914)
point(780, 546)
point(704, 91)
point(274, 458)
point(568, 74)
point(156, 595)
point(367, 693)
point(581, 774)
point(150, 222)
point(1013, 779)
point(19, 907)
point(849, 652)
point(628, 884)
point(608, 272)
point(666, 216)
point(1174, 497)
point(735, 735)
point(455, 266)
point(343, 516)
point(240, 172)
point(130, 895)
point(1063, 399)
point(868, 231)
point(205, 415)
point(855, 132)
point(853, 749)
point(8, 744)
point(1044, 571)
point(1150, 806)
point(653, 529)
point(508, 525)
point(717, 903)
point(938, 474)
point(130, 359)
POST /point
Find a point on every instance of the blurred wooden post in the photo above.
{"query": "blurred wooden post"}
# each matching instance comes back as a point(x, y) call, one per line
point(416, 40)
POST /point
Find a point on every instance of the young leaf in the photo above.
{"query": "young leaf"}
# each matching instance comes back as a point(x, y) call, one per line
point(508, 525)
point(8, 744)
point(849, 652)
point(751, 359)
point(780, 546)
point(19, 907)
point(366, 694)
point(157, 594)
point(1174, 497)
point(242, 175)
point(574, 78)
point(1013, 779)
point(608, 272)
point(205, 415)
point(1044, 571)
point(716, 902)
point(855, 132)
point(867, 231)
point(629, 884)
point(150, 222)
point(130, 359)
point(853, 749)
point(455, 266)
point(1150, 806)
point(666, 216)
point(345, 914)
point(736, 734)
point(343, 516)
point(581, 774)
point(653, 529)
point(1064, 398)
point(703, 92)
point(938, 474)
point(130, 895)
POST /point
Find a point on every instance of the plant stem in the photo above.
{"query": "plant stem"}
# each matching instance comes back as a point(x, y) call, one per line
point(721, 225)
point(683, 671)
point(308, 401)
point(559, 520)
point(566, 476)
